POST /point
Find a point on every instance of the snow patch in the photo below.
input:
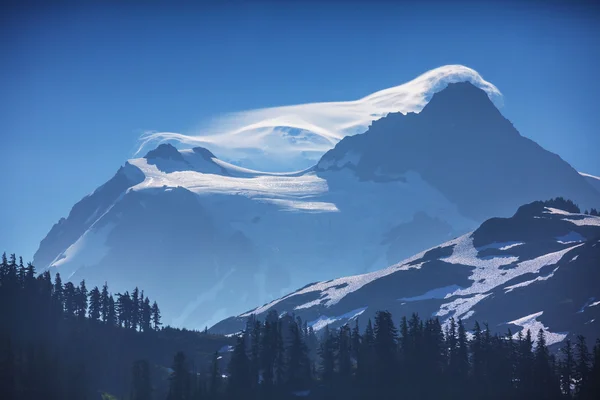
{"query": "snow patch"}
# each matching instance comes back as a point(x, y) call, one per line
point(500, 246)
point(527, 283)
point(530, 322)
point(323, 320)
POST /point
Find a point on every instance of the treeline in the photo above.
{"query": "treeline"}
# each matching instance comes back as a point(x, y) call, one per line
point(21, 283)
point(59, 340)
point(282, 358)
point(567, 205)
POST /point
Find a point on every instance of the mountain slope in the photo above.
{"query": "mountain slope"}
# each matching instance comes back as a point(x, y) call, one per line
point(228, 238)
point(538, 268)
point(462, 145)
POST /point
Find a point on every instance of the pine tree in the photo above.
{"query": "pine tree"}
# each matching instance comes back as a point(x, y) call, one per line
point(215, 377)
point(104, 301)
point(156, 316)
point(239, 382)
point(344, 353)
point(123, 308)
point(567, 367)
point(57, 293)
point(141, 382)
point(111, 316)
point(385, 353)
point(146, 320)
point(179, 381)
point(543, 373)
point(255, 352)
point(95, 304)
point(582, 365)
point(70, 299)
point(298, 365)
point(135, 309)
point(327, 354)
point(21, 273)
point(81, 299)
point(462, 364)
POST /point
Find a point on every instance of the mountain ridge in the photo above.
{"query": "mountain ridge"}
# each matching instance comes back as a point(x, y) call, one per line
point(500, 273)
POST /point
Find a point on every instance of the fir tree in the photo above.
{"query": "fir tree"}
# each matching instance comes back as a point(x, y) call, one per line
point(582, 364)
point(239, 382)
point(95, 304)
point(70, 299)
point(156, 316)
point(215, 377)
point(567, 367)
point(135, 309)
point(104, 301)
point(81, 300)
point(179, 381)
point(141, 382)
point(298, 370)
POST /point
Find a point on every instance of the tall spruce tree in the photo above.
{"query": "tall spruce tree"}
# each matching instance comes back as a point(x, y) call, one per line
point(95, 304)
point(105, 302)
point(179, 381)
point(239, 382)
point(141, 381)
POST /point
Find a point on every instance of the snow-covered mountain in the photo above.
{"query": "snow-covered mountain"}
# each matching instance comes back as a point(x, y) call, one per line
point(538, 268)
point(208, 239)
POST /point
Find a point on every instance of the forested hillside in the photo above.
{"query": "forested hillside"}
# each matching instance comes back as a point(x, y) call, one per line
point(65, 341)
point(61, 341)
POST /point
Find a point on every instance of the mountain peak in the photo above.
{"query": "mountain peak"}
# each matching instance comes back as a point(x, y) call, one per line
point(165, 151)
point(460, 98)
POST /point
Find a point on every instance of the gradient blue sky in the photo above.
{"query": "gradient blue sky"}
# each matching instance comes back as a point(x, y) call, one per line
point(79, 84)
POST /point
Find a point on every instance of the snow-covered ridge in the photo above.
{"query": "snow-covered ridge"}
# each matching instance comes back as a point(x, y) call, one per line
point(524, 280)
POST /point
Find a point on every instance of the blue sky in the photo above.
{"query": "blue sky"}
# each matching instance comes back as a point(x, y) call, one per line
point(80, 84)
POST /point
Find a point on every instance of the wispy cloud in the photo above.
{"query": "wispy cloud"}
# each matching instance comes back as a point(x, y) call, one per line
point(293, 137)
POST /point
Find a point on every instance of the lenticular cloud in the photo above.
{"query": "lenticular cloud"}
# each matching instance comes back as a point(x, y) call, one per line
point(294, 137)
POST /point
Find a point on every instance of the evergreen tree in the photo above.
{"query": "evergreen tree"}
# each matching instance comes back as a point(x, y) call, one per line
point(298, 370)
point(255, 352)
point(239, 382)
point(385, 353)
point(123, 308)
point(543, 377)
point(327, 354)
point(582, 365)
point(462, 364)
point(179, 381)
point(95, 304)
point(135, 309)
point(21, 273)
point(156, 316)
point(70, 299)
point(146, 320)
point(215, 377)
point(81, 299)
point(111, 316)
point(57, 293)
point(141, 382)
point(344, 353)
point(524, 366)
point(104, 301)
point(567, 367)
